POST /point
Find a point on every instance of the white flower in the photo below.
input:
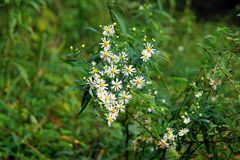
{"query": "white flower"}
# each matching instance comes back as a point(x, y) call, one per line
point(105, 44)
point(163, 144)
point(101, 95)
point(145, 56)
point(116, 85)
point(123, 57)
point(91, 81)
point(199, 94)
point(115, 58)
point(149, 48)
point(169, 136)
point(125, 96)
point(108, 30)
point(113, 112)
point(106, 55)
point(128, 70)
point(110, 119)
point(186, 120)
point(112, 71)
point(101, 84)
point(183, 131)
point(213, 83)
point(138, 82)
point(121, 106)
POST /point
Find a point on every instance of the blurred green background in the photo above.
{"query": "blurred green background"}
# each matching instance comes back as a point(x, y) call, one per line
point(38, 104)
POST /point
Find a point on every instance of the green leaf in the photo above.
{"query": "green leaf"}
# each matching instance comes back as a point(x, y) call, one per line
point(120, 22)
point(92, 29)
point(22, 72)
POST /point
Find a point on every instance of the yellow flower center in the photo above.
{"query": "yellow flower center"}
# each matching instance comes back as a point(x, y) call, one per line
point(138, 81)
point(112, 70)
point(149, 49)
point(124, 96)
point(106, 44)
point(101, 84)
point(105, 53)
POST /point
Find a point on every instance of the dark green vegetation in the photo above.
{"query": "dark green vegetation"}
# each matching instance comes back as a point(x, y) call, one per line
point(39, 100)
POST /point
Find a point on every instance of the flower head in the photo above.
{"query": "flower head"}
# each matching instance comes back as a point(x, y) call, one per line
point(183, 132)
point(106, 55)
point(125, 96)
point(149, 48)
point(128, 70)
point(108, 30)
point(116, 85)
point(138, 82)
point(186, 120)
point(105, 44)
point(163, 144)
point(112, 71)
point(145, 56)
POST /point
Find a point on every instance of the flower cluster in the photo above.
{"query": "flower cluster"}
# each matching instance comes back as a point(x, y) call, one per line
point(113, 80)
point(169, 137)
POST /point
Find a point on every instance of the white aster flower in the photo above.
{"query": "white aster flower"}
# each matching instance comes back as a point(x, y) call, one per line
point(112, 71)
point(145, 56)
point(101, 84)
point(108, 30)
point(105, 44)
point(121, 106)
point(128, 70)
point(125, 96)
point(163, 144)
point(110, 119)
point(138, 82)
point(199, 94)
point(116, 85)
point(149, 48)
point(106, 55)
point(113, 112)
point(91, 81)
point(183, 132)
point(101, 95)
point(123, 56)
point(186, 120)
point(115, 58)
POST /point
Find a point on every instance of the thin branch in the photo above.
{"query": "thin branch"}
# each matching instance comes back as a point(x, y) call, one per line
point(225, 74)
point(143, 126)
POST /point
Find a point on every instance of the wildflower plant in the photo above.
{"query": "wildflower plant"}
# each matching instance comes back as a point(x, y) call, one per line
point(114, 78)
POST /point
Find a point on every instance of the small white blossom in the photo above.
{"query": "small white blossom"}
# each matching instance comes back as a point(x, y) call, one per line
point(145, 56)
point(123, 56)
point(115, 58)
point(116, 85)
point(138, 82)
point(108, 30)
point(163, 144)
point(186, 120)
point(128, 70)
point(105, 44)
point(125, 96)
point(183, 132)
point(149, 48)
point(121, 106)
point(106, 55)
point(112, 71)
point(199, 94)
point(101, 84)
point(110, 119)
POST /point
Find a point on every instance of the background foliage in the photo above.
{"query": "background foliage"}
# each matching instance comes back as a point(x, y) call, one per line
point(39, 98)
